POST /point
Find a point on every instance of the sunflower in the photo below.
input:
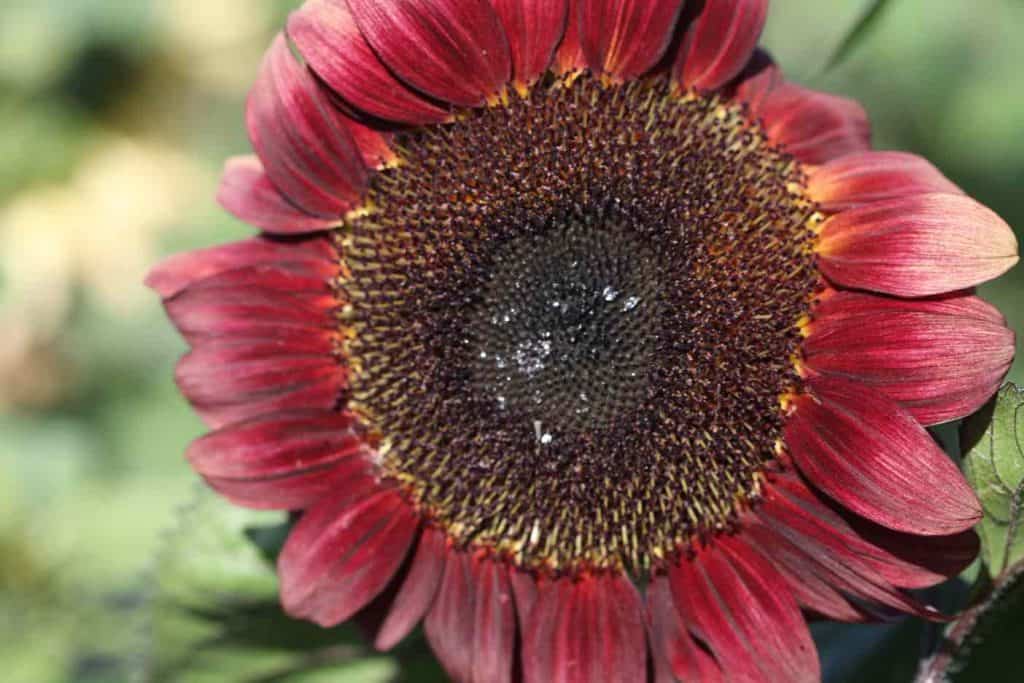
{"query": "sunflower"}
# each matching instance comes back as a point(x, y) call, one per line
point(577, 333)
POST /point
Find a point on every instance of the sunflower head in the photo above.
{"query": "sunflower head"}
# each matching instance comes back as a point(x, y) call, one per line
point(580, 333)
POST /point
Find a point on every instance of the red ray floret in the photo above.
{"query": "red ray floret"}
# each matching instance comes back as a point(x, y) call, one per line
point(940, 358)
point(874, 458)
point(916, 246)
point(737, 603)
point(586, 630)
point(328, 38)
point(675, 652)
point(282, 461)
point(719, 42)
point(864, 177)
point(843, 567)
point(534, 29)
point(454, 50)
point(472, 625)
point(625, 38)
point(419, 588)
point(344, 551)
point(246, 191)
point(814, 127)
point(306, 152)
point(569, 57)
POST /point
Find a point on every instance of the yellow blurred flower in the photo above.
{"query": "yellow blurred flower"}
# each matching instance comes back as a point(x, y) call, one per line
point(99, 232)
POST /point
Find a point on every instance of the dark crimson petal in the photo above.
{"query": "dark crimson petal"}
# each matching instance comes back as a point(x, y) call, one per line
point(179, 271)
point(739, 604)
point(921, 561)
point(306, 151)
point(231, 381)
point(569, 57)
point(760, 77)
point(719, 43)
point(534, 28)
point(494, 623)
point(815, 584)
point(626, 38)
point(450, 623)
point(814, 127)
point(472, 623)
point(454, 50)
point(589, 630)
point(282, 461)
point(329, 40)
point(941, 359)
point(676, 655)
point(866, 177)
point(916, 246)
point(246, 192)
point(525, 588)
point(343, 552)
point(873, 457)
point(374, 145)
point(418, 590)
point(283, 303)
point(827, 561)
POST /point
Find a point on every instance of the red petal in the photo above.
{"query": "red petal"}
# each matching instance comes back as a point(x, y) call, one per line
point(569, 57)
point(533, 28)
point(917, 561)
point(450, 623)
point(873, 457)
point(866, 177)
point(525, 589)
point(418, 590)
point(454, 50)
point(281, 303)
point(374, 145)
point(916, 246)
point(941, 359)
point(494, 623)
point(307, 152)
point(814, 127)
point(739, 604)
point(472, 624)
point(676, 655)
point(181, 270)
point(626, 38)
point(589, 630)
point(822, 555)
point(283, 461)
point(246, 191)
point(719, 43)
point(343, 552)
point(231, 381)
point(760, 78)
point(329, 40)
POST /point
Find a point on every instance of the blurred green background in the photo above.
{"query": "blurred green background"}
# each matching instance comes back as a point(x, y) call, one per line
point(115, 116)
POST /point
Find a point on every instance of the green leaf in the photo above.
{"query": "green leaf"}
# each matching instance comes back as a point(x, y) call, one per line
point(867, 22)
point(983, 645)
point(992, 441)
point(213, 613)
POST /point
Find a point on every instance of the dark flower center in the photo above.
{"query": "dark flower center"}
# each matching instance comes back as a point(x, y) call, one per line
point(567, 327)
point(571, 319)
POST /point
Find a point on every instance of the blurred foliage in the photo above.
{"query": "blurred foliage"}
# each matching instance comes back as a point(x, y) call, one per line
point(859, 33)
point(211, 612)
point(115, 116)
